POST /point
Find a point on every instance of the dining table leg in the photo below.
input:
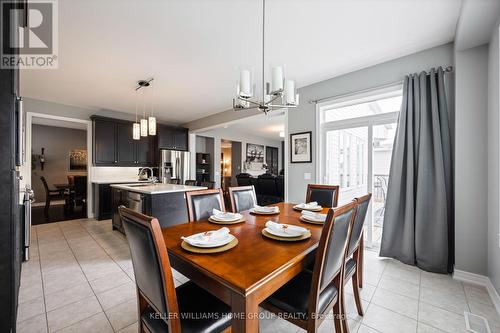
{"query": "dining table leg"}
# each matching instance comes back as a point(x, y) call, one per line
point(245, 312)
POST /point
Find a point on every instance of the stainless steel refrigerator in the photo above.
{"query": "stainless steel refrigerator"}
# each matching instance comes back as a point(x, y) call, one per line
point(174, 166)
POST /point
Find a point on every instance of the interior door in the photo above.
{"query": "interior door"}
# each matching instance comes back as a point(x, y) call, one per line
point(272, 159)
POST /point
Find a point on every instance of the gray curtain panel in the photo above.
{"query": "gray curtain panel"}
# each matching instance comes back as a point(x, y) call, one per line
point(418, 222)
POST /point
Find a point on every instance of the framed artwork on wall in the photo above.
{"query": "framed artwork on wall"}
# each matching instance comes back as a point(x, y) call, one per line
point(78, 160)
point(301, 147)
point(255, 153)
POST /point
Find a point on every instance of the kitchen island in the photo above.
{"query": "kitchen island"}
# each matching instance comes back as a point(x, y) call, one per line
point(166, 202)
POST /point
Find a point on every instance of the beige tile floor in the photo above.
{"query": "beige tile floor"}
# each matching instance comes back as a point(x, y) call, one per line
point(80, 279)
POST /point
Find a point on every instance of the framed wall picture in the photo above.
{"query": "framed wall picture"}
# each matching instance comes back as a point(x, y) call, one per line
point(255, 153)
point(301, 147)
point(78, 160)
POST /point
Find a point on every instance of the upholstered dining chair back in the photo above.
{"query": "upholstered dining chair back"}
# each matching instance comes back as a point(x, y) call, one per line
point(208, 184)
point(332, 248)
point(357, 228)
point(153, 275)
point(242, 198)
point(243, 179)
point(324, 195)
point(201, 203)
point(190, 182)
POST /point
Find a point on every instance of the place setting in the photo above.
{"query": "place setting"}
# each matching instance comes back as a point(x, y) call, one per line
point(312, 217)
point(310, 206)
point(265, 210)
point(219, 217)
point(285, 232)
point(213, 241)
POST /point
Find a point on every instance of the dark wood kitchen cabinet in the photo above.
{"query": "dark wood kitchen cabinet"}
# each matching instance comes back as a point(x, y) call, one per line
point(105, 152)
point(172, 137)
point(114, 145)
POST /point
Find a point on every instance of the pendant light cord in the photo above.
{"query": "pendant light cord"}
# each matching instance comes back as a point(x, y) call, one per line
point(263, 50)
point(136, 106)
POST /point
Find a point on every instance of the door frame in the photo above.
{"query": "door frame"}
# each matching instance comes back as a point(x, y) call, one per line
point(29, 134)
point(366, 121)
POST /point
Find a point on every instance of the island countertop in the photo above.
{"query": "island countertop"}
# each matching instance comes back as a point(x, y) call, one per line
point(158, 188)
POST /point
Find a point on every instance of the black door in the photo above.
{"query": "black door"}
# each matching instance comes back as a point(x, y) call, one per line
point(105, 142)
point(272, 160)
point(125, 145)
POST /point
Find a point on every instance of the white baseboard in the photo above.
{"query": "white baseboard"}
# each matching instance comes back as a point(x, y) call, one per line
point(479, 280)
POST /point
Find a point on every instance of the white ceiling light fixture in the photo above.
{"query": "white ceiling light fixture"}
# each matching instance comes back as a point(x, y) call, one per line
point(279, 93)
point(282, 134)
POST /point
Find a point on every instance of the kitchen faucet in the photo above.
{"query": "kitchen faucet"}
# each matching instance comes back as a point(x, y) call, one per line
point(151, 178)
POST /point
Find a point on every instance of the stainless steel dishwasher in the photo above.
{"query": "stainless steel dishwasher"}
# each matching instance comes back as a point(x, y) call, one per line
point(135, 201)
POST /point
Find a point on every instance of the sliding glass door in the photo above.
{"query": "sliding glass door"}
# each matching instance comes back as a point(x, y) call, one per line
point(355, 153)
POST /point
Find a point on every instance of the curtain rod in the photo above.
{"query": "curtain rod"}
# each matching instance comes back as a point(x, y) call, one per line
point(447, 69)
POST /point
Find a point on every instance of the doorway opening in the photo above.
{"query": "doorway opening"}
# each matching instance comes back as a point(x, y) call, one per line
point(256, 148)
point(58, 167)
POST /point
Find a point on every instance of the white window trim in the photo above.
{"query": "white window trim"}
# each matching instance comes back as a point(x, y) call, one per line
point(366, 121)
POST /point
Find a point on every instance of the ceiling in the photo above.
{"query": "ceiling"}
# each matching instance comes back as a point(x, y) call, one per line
point(263, 126)
point(194, 49)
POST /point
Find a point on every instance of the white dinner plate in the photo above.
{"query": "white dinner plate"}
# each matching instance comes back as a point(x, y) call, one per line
point(219, 242)
point(285, 233)
point(222, 218)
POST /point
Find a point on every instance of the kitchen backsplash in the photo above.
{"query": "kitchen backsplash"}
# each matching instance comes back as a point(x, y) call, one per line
point(114, 173)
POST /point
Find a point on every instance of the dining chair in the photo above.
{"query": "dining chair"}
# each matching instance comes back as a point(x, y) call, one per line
point(175, 181)
point(324, 195)
point(208, 184)
point(307, 299)
point(71, 180)
point(162, 307)
point(50, 194)
point(201, 203)
point(190, 182)
point(243, 179)
point(355, 253)
point(242, 198)
point(80, 191)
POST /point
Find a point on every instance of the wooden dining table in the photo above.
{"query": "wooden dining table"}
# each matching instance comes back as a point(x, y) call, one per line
point(247, 274)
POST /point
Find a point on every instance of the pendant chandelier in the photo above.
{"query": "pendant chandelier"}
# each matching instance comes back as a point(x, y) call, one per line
point(279, 93)
point(146, 126)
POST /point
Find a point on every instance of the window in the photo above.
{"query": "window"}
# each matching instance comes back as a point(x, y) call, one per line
point(355, 148)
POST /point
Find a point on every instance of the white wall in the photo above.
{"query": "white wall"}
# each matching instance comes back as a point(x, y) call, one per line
point(229, 134)
point(471, 159)
point(303, 118)
point(493, 249)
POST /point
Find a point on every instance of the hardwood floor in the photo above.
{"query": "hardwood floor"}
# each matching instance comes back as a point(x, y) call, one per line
point(56, 214)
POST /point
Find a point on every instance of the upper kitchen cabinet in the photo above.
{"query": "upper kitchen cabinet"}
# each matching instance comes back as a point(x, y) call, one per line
point(171, 137)
point(105, 139)
point(114, 145)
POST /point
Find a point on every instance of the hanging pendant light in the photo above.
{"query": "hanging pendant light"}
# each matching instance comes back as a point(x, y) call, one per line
point(279, 93)
point(147, 125)
point(136, 128)
point(152, 118)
